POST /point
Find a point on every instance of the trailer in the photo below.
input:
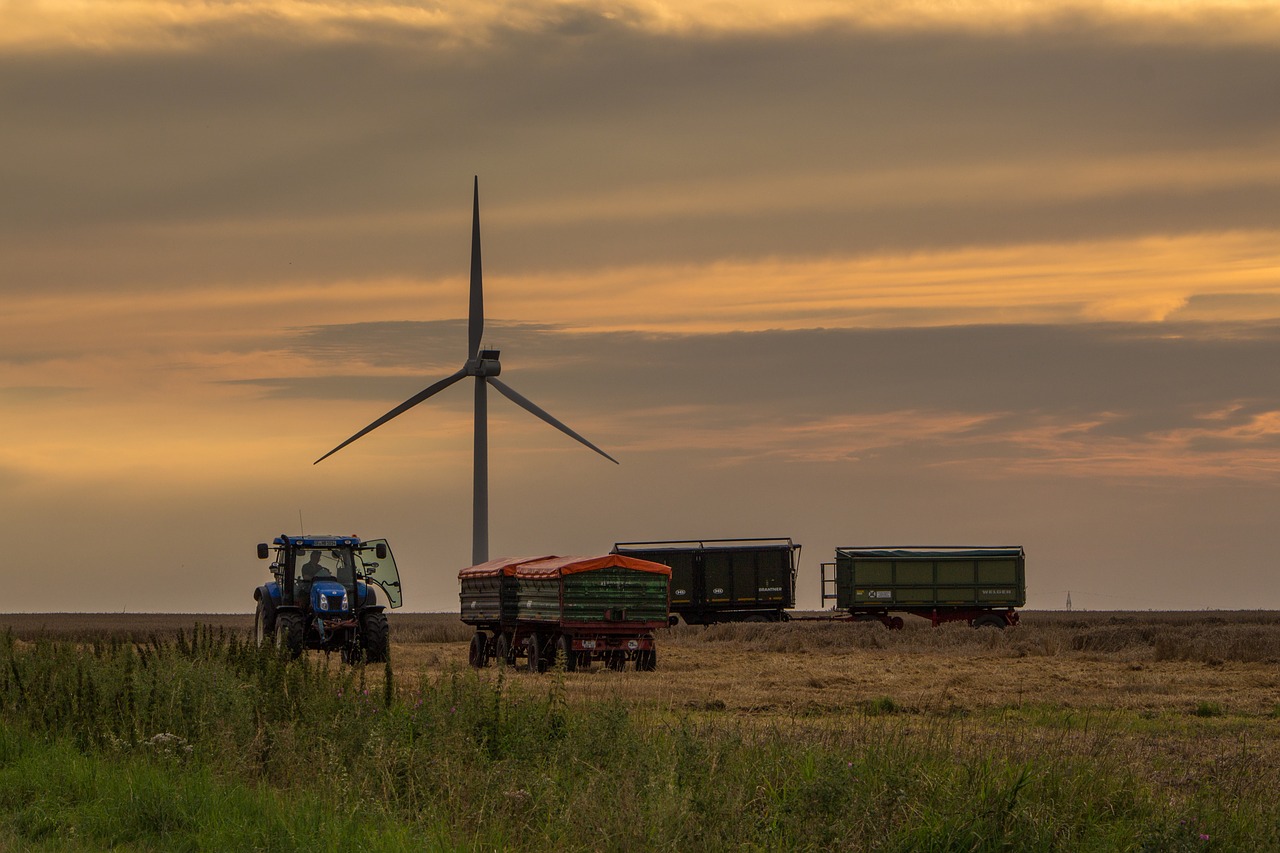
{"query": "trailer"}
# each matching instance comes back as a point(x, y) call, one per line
point(945, 583)
point(725, 580)
point(573, 609)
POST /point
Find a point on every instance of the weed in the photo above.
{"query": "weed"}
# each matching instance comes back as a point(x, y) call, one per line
point(880, 705)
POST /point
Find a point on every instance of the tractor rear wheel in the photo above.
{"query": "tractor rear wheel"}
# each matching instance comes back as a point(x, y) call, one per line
point(264, 623)
point(289, 633)
point(375, 637)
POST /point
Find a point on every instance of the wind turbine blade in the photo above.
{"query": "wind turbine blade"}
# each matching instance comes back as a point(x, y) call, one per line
point(398, 410)
point(512, 395)
point(475, 316)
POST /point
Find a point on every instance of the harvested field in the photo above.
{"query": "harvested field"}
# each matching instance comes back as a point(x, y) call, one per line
point(1150, 731)
point(1137, 662)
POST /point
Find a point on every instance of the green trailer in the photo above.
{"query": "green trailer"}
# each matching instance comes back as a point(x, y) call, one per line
point(581, 609)
point(725, 580)
point(978, 585)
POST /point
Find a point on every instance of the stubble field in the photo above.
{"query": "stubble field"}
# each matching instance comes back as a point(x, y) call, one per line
point(1143, 731)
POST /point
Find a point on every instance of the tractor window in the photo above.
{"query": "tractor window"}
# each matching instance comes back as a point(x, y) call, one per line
point(382, 571)
point(320, 563)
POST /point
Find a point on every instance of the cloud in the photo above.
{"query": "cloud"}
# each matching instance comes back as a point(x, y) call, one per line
point(263, 149)
point(36, 393)
point(1184, 400)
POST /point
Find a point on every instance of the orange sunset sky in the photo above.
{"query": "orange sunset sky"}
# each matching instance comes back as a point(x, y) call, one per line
point(857, 273)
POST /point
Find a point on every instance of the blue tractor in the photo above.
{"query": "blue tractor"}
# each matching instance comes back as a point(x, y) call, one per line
point(323, 596)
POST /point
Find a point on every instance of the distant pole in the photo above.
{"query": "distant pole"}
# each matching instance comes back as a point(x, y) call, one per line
point(1068, 600)
point(480, 479)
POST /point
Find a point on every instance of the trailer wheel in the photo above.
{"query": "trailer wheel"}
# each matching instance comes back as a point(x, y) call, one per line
point(476, 654)
point(896, 623)
point(647, 661)
point(565, 653)
point(502, 650)
point(536, 662)
point(990, 620)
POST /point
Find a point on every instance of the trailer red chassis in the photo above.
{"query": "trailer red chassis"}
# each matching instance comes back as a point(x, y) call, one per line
point(576, 645)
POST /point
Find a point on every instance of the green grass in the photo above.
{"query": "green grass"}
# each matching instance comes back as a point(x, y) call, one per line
point(53, 797)
point(206, 743)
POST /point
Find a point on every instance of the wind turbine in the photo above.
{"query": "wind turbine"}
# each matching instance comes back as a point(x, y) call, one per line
point(483, 364)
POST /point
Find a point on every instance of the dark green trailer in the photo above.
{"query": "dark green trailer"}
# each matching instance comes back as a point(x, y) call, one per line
point(942, 583)
point(725, 580)
point(584, 609)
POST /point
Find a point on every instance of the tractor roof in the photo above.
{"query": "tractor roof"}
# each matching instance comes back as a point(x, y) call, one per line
point(319, 540)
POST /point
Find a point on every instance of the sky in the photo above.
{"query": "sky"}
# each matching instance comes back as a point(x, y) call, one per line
point(854, 273)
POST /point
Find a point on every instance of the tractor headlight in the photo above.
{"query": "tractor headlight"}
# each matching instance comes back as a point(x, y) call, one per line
point(344, 600)
point(322, 601)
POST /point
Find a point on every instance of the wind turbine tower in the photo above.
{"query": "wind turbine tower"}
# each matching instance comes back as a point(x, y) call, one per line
point(483, 364)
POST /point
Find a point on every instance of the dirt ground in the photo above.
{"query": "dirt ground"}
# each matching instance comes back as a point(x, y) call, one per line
point(736, 679)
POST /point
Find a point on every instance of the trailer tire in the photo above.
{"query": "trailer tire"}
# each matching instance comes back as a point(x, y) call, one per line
point(476, 654)
point(536, 663)
point(896, 623)
point(990, 620)
point(289, 633)
point(502, 651)
point(565, 653)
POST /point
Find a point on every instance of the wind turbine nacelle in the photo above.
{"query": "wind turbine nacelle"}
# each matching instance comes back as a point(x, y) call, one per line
point(484, 364)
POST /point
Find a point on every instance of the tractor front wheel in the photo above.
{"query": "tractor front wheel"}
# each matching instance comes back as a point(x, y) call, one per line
point(289, 633)
point(375, 637)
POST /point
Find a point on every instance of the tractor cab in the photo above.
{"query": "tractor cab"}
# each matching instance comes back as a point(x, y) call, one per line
point(323, 595)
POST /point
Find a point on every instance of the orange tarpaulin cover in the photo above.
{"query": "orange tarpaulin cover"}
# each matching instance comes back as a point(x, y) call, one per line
point(554, 567)
point(500, 566)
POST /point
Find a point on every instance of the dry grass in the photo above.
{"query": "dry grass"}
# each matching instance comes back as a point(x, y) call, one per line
point(1140, 663)
point(1186, 701)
